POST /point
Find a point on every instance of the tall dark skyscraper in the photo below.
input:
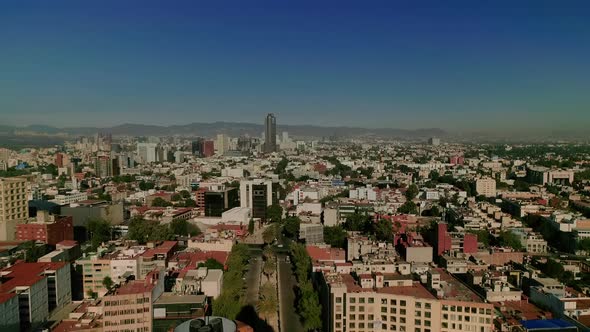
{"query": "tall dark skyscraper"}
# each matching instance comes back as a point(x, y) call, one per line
point(270, 134)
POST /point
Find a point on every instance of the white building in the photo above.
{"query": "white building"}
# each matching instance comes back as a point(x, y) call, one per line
point(486, 187)
point(69, 198)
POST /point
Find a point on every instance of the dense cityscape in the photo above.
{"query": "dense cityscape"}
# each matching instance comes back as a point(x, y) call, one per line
point(273, 233)
point(294, 166)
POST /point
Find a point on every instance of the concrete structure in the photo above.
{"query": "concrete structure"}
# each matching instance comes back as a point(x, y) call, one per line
point(46, 228)
point(129, 307)
point(94, 270)
point(454, 241)
point(38, 287)
point(147, 152)
point(69, 198)
point(270, 133)
point(212, 283)
point(311, 233)
point(544, 175)
point(256, 195)
point(13, 206)
point(237, 215)
point(486, 187)
point(434, 141)
point(9, 313)
point(368, 304)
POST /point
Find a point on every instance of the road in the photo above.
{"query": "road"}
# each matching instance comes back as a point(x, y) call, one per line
point(289, 318)
point(253, 275)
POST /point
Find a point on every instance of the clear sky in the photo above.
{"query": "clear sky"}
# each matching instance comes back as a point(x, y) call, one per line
point(399, 64)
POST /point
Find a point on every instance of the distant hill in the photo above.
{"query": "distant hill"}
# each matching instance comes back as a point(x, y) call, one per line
point(229, 128)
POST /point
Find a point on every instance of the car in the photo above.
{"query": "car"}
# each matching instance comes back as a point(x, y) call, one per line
point(288, 260)
point(280, 246)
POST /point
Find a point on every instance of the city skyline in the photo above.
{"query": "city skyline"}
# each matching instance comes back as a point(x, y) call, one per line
point(374, 66)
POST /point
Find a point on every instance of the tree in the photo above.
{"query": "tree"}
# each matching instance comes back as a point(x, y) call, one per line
point(107, 282)
point(270, 267)
point(143, 185)
point(309, 307)
point(412, 192)
point(176, 197)
point(251, 226)
point(91, 294)
point(357, 222)
point(384, 231)
point(509, 239)
point(274, 213)
point(335, 236)
point(268, 303)
point(232, 297)
point(99, 231)
point(160, 202)
point(291, 227)
point(144, 231)
point(190, 203)
point(408, 207)
point(269, 234)
point(183, 227)
point(185, 194)
point(212, 264)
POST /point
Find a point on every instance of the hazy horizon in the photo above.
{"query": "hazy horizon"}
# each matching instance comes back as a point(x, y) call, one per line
point(465, 66)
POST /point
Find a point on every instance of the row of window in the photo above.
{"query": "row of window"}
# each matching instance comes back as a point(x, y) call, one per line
point(466, 309)
point(125, 312)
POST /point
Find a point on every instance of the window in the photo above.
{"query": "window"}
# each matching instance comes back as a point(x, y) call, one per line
point(402, 303)
point(361, 317)
point(338, 300)
point(402, 311)
point(392, 302)
point(362, 300)
point(352, 308)
point(371, 300)
point(427, 305)
point(418, 305)
point(417, 322)
point(352, 300)
point(370, 317)
point(427, 314)
point(352, 317)
point(383, 309)
point(362, 308)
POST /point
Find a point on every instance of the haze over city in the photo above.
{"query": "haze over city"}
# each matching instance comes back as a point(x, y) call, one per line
point(294, 166)
point(464, 65)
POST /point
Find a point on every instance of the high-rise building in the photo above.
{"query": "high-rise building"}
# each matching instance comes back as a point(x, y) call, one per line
point(434, 141)
point(256, 195)
point(270, 134)
point(13, 206)
point(221, 144)
point(147, 152)
point(208, 148)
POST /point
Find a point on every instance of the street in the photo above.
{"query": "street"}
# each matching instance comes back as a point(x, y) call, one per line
point(289, 318)
point(253, 275)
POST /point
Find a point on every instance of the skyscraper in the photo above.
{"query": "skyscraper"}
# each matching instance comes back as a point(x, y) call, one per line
point(270, 134)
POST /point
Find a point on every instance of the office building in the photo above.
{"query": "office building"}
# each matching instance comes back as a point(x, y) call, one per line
point(13, 206)
point(486, 187)
point(270, 134)
point(221, 144)
point(434, 141)
point(146, 152)
point(218, 201)
point(256, 195)
point(543, 175)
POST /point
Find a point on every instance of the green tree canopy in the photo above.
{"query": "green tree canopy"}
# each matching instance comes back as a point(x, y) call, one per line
point(291, 227)
point(211, 263)
point(335, 236)
point(274, 213)
point(99, 231)
point(412, 192)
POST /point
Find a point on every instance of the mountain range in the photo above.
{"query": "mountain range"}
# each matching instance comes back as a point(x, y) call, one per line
point(229, 128)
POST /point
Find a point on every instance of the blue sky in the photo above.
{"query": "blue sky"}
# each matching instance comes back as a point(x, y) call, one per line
point(399, 64)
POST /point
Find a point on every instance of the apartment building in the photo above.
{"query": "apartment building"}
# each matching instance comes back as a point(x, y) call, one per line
point(38, 287)
point(369, 304)
point(13, 206)
point(9, 314)
point(94, 269)
point(129, 307)
point(486, 187)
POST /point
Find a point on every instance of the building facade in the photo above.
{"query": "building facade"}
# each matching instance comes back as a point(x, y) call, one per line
point(13, 206)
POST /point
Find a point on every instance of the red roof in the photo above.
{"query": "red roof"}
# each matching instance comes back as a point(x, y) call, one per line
point(25, 274)
point(326, 253)
point(192, 259)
